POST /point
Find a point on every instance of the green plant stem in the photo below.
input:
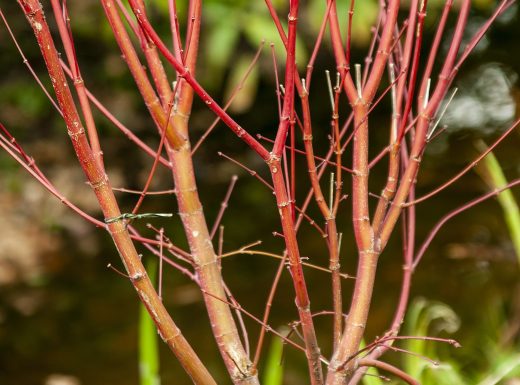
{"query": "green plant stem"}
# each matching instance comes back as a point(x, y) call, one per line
point(148, 347)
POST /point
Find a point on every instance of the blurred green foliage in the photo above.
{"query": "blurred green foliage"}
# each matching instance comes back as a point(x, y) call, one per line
point(500, 357)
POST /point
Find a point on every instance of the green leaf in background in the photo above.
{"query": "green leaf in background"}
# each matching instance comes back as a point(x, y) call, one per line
point(446, 373)
point(148, 344)
point(428, 318)
point(491, 172)
point(246, 95)
point(222, 41)
point(258, 27)
point(220, 44)
point(273, 372)
point(365, 15)
point(504, 366)
point(424, 317)
point(372, 376)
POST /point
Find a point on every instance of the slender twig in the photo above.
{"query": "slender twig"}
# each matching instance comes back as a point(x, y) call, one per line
point(185, 74)
point(465, 169)
point(223, 206)
point(234, 93)
point(446, 218)
point(389, 368)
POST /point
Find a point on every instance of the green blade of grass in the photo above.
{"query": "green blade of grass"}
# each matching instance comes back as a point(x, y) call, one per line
point(372, 376)
point(489, 169)
point(273, 372)
point(503, 369)
point(148, 344)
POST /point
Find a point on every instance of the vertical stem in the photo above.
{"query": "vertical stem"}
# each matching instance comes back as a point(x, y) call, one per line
point(328, 215)
point(267, 310)
point(185, 73)
point(334, 266)
point(78, 82)
point(208, 270)
point(408, 252)
point(360, 211)
point(100, 184)
point(295, 267)
point(284, 204)
point(192, 215)
point(341, 367)
point(290, 75)
point(175, 139)
point(393, 161)
point(422, 126)
point(158, 74)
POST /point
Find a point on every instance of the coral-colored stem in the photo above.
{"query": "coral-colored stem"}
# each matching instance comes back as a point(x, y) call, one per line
point(295, 267)
point(150, 98)
point(421, 131)
point(184, 73)
point(101, 186)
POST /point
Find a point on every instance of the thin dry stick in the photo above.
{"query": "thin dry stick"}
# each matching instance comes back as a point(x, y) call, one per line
point(244, 250)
